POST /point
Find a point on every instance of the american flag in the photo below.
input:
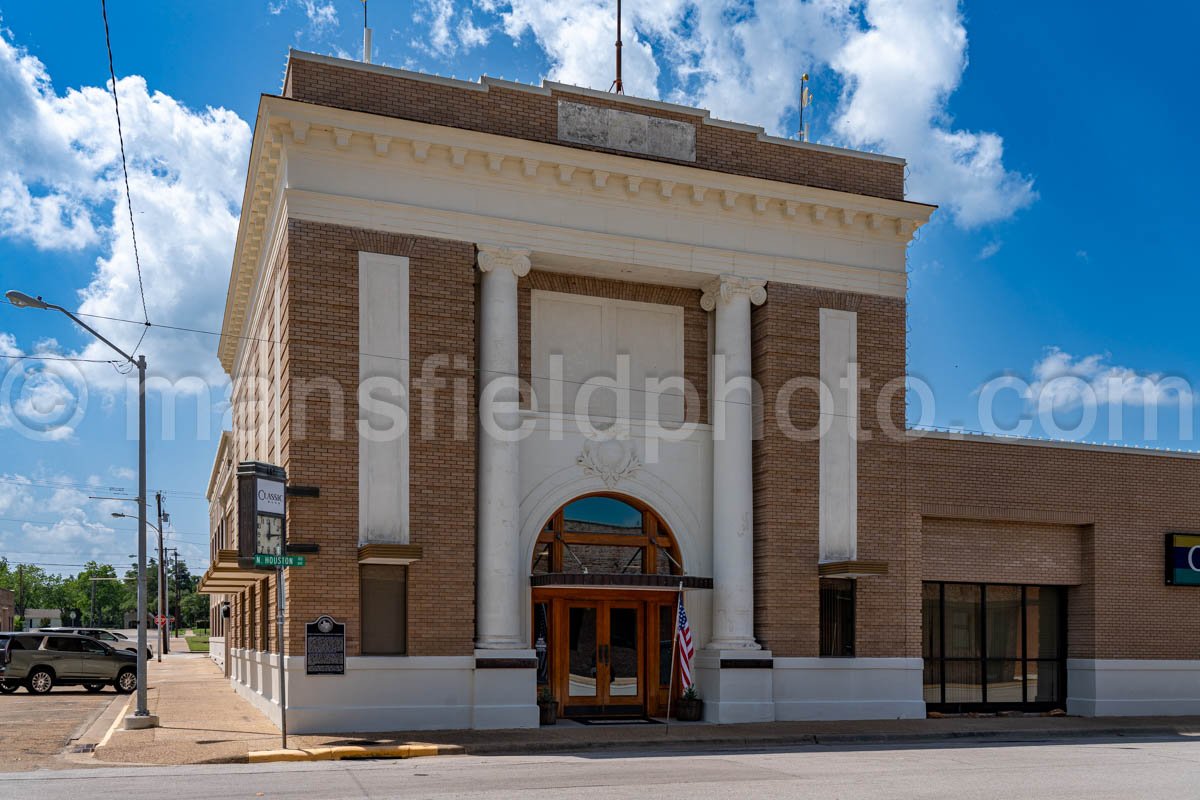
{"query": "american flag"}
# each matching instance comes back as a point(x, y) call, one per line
point(684, 632)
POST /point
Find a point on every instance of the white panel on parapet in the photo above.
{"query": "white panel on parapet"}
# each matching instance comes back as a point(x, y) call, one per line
point(383, 424)
point(839, 442)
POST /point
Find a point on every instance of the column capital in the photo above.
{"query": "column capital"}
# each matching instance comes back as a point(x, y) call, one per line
point(727, 287)
point(493, 257)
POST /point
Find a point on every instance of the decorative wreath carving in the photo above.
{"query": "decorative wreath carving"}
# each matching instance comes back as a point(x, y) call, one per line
point(609, 459)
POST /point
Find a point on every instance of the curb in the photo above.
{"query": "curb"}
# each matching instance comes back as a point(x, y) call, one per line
point(352, 751)
point(829, 739)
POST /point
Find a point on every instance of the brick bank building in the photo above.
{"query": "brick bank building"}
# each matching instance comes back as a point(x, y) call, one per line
point(415, 253)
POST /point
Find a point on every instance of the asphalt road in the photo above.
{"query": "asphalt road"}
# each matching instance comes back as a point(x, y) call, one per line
point(1097, 770)
point(35, 728)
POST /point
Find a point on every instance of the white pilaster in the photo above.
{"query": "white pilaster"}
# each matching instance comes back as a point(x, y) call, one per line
point(498, 568)
point(733, 484)
point(838, 488)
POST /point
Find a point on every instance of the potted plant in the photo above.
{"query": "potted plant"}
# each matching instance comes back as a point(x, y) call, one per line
point(690, 707)
point(547, 706)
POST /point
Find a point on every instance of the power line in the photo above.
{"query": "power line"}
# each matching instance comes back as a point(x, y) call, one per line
point(125, 169)
point(60, 358)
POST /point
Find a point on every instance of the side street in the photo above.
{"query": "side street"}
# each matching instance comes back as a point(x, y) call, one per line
point(204, 721)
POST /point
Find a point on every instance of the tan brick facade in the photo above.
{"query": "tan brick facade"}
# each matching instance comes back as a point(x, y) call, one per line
point(1092, 519)
point(786, 336)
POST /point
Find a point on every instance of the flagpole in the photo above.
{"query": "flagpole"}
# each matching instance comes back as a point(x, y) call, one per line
point(674, 644)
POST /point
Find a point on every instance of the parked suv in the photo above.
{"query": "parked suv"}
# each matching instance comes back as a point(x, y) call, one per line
point(117, 641)
point(40, 661)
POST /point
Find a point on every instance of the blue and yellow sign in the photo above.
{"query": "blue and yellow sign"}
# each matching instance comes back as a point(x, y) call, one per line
point(1183, 559)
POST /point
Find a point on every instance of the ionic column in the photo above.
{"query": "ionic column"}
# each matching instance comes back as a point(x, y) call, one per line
point(498, 568)
point(733, 483)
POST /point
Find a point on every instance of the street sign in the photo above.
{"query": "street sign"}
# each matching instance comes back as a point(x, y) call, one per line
point(268, 560)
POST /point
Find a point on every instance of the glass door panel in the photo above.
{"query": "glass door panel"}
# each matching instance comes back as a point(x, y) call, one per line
point(582, 650)
point(623, 654)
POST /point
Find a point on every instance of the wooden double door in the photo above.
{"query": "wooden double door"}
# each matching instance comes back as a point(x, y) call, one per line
point(606, 656)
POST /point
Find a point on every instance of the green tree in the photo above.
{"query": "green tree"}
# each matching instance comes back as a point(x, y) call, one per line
point(194, 610)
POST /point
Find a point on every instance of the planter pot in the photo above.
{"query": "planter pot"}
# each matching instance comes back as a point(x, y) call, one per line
point(548, 713)
point(689, 710)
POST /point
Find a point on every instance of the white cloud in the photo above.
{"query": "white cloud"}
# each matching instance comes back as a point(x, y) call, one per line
point(990, 249)
point(123, 473)
point(322, 16)
point(898, 63)
point(15, 495)
point(61, 187)
point(1065, 382)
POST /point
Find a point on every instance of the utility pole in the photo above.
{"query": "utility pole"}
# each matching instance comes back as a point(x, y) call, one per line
point(174, 551)
point(164, 641)
point(21, 594)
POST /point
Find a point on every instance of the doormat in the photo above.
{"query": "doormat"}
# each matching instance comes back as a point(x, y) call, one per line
point(614, 720)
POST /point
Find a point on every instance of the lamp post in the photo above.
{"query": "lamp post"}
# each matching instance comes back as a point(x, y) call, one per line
point(141, 718)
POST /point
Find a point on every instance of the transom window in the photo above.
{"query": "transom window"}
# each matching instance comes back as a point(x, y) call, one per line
point(606, 535)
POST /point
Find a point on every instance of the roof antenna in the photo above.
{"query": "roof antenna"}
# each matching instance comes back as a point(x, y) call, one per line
point(805, 101)
point(617, 85)
point(366, 36)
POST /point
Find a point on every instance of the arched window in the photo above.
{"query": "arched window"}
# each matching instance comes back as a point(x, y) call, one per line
point(606, 535)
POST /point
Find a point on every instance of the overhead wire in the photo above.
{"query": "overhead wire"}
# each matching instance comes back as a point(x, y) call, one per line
point(125, 170)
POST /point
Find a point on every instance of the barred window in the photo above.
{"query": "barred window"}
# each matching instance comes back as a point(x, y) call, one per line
point(837, 617)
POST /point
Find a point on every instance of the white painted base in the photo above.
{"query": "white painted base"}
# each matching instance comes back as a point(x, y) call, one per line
point(848, 688)
point(216, 650)
point(735, 695)
point(505, 698)
point(392, 693)
point(377, 693)
point(1132, 687)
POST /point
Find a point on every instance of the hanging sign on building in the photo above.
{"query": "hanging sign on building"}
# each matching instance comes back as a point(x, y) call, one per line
point(325, 647)
point(1183, 559)
point(262, 513)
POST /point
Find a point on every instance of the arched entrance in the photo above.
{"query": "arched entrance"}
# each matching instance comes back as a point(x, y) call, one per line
point(605, 575)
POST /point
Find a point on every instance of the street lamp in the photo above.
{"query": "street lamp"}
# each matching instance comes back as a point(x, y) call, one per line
point(141, 717)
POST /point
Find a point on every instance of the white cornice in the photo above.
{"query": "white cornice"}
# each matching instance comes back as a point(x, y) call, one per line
point(289, 117)
point(284, 125)
point(692, 265)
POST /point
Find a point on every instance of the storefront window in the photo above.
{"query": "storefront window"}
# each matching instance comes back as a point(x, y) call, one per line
point(993, 645)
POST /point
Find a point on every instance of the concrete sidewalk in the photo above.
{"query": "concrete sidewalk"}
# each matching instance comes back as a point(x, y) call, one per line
point(203, 720)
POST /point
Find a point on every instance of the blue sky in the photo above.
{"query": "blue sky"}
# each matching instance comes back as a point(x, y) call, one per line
point(1057, 138)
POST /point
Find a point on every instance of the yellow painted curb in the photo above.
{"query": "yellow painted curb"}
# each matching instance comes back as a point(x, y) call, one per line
point(352, 751)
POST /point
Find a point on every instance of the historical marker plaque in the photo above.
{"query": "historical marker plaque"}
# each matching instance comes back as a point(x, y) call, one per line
point(325, 647)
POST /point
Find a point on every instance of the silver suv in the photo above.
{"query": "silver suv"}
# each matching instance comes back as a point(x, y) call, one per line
point(117, 641)
point(41, 661)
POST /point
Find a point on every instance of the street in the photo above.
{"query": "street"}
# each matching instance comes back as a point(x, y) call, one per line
point(1119, 769)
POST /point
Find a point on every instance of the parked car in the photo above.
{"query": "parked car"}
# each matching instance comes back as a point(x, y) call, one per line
point(40, 661)
point(114, 639)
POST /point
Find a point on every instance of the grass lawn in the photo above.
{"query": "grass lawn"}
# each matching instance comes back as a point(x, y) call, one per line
point(197, 644)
